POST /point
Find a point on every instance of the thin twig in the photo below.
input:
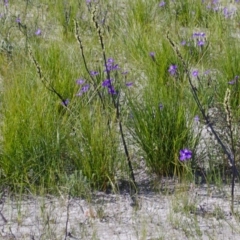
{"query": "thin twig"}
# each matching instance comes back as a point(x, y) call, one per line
point(46, 83)
point(77, 35)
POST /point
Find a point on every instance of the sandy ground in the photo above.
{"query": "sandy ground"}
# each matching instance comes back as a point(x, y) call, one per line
point(182, 212)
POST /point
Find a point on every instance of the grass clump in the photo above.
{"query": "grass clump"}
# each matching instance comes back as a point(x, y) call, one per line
point(160, 128)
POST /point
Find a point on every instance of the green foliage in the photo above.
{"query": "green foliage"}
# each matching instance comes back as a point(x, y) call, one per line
point(46, 146)
point(94, 145)
point(161, 131)
point(192, 13)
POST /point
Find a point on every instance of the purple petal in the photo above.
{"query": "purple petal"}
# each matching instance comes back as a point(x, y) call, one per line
point(38, 32)
point(196, 118)
point(107, 82)
point(129, 84)
point(161, 106)
point(94, 73)
point(195, 73)
point(80, 81)
point(162, 4)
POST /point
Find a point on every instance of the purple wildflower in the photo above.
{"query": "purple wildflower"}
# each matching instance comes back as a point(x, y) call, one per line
point(94, 73)
point(129, 84)
point(65, 102)
point(162, 4)
point(110, 66)
point(200, 43)
point(199, 34)
point(228, 12)
point(80, 81)
point(185, 154)
point(124, 73)
point(195, 73)
point(84, 89)
point(111, 90)
point(172, 69)
point(107, 83)
point(160, 106)
point(38, 32)
point(110, 60)
point(18, 20)
point(234, 80)
point(195, 35)
point(152, 55)
point(183, 42)
point(196, 118)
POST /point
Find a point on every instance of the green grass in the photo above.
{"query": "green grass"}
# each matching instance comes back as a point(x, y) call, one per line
point(45, 145)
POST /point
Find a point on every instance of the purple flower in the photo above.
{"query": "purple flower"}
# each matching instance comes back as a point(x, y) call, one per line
point(6, 3)
point(234, 80)
point(160, 106)
point(152, 55)
point(185, 154)
point(107, 82)
point(196, 118)
point(195, 35)
point(18, 20)
point(111, 90)
point(80, 81)
point(94, 73)
point(200, 43)
point(198, 34)
point(88, 2)
point(162, 4)
point(110, 60)
point(38, 32)
point(129, 84)
point(172, 69)
point(110, 65)
point(228, 12)
point(195, 73)
point(84, 89)
point(116, 67)
point(125, 73)
point(65, 102)
point(183, 42)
